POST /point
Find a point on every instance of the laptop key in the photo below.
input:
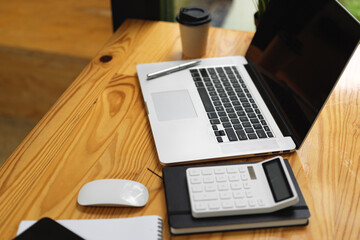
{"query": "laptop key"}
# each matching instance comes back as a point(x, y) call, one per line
point(231, 134)
point(235, 121)
point(225, 100)
point(203, 72)
point(217, 103)
point(252, 115)
point(222, 114)
point(241, 134)
point(212, 115)
point(219, 108)
point(233, 115)
point(243, 119)
point(254, 120)
point(206, 100)
point(241, 114)
point(224, 119)
point(246, 124)
point(252, 136)
point(214, 121)
point(211, 70)
point(261, 133)
point(237, 127)
point(199, 84)
point(249, 130)
point(230, 110)
point(219, 133)
point(257, 126)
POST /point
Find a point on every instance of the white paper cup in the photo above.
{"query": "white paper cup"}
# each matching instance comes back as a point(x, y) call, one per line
point(194, 25)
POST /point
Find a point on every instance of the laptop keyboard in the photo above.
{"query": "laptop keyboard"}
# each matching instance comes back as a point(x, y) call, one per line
point(232, 111)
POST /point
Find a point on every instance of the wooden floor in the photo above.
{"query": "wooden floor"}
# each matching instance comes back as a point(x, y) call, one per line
point(43, 47)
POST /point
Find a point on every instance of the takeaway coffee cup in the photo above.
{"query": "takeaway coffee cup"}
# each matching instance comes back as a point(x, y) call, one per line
point(194, 25)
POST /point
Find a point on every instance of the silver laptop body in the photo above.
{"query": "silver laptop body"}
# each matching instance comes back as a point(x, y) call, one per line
point(290, 69)
point(180, 125)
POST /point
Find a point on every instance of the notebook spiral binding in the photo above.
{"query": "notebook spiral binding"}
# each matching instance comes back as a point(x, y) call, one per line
point(159, 228)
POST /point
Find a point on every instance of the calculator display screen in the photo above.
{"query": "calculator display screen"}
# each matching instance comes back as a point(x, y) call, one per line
point(279, 185)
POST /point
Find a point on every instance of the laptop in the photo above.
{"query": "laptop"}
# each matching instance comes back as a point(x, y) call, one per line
point(263, 103)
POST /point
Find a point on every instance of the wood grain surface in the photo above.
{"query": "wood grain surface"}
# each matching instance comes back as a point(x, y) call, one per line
point(58, 27)
point(44, 45)
point(99, 129)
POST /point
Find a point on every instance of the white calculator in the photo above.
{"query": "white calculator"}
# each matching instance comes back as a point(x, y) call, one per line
point(239, 189)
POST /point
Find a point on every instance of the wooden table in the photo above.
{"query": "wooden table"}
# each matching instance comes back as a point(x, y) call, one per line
point(99, 129)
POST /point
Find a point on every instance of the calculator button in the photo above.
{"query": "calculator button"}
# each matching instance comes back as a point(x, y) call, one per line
point(242, 169)
point(208, 179)
point(240, 203)
point(235, 185)
point(231, 170)
point(246, 185)
point(200, 206)
point(221, 178)
point(197, 188)
point(225, 195)
point(195, 180)
point(205, 196)
point(206, 171)
point(249, 194)
point(252, 202)
point(244, 176)
point(214, 205)
point(227, 204)
point(223, 186)
point(194, 172)
point(239, 194)
point(210, 188)
point(219, 171)
point(233, 178)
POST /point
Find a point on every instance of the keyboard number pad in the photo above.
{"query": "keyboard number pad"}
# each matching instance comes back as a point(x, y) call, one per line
point(221, 191)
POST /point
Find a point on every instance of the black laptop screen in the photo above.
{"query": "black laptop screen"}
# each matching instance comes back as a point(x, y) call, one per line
point(299, 50)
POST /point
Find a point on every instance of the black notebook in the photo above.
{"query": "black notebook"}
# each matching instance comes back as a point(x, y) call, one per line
point(182, 222)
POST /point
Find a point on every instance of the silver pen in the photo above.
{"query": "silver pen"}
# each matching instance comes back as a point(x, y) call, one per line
point(172, 69)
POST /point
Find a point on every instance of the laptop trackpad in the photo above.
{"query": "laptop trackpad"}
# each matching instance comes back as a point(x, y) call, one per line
point(173, 105)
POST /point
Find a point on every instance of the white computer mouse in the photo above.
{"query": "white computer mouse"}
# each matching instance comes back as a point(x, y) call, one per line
point(113, 193)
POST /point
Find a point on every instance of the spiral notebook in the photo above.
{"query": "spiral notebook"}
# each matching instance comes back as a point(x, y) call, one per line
point(145, 228)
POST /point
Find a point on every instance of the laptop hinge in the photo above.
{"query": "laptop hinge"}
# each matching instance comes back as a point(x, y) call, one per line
point(270, 103)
